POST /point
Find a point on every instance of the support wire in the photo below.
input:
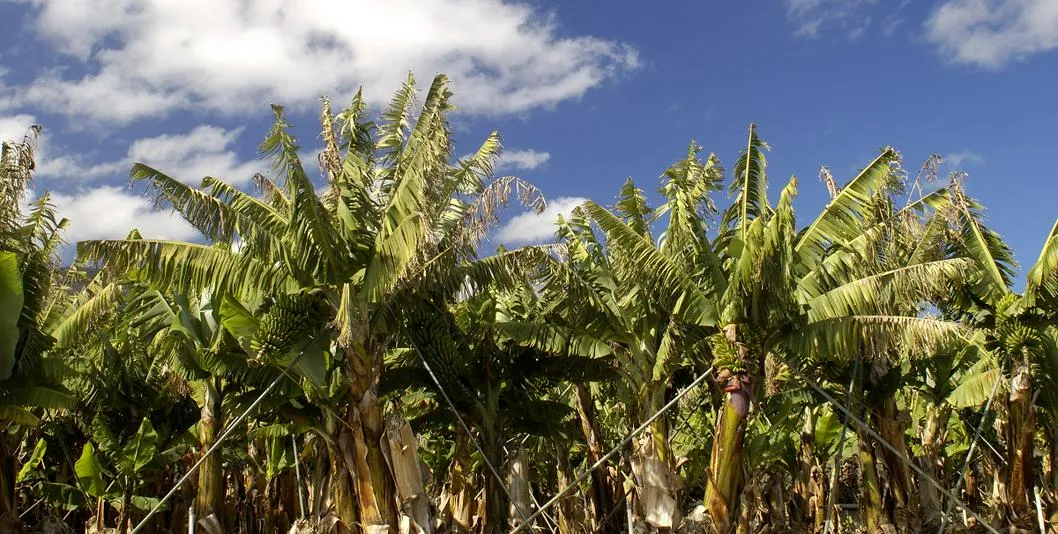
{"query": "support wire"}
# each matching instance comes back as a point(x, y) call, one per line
point(216, 445)
point(881, 440)
point(970, 453)
point(617, 448)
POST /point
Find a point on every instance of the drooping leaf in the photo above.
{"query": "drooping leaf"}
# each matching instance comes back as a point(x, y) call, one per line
point(1041, 284)
point(90, 472)
point(841, 219)
point(872, 294)
point(552, 338)
point(995, 260)
point(207, 214)
point(63, 496)
point(975, 385)
point(33, 461)
point(655, 272)
point(187, 267)
point(425, 154)
point(140, 450)
point(18, 415)
point(146, 504)
point(237, 319)
point(101, 302)
point(11, 299)
point(632, 207)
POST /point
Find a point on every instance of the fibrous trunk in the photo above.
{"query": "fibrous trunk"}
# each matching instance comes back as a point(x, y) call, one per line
point(653, 471)
point(602, 494)
point(931, 462)
point(497, 506)
point(518, 483)
point(365, 425)
point(724, 478)
point(809, 488)
point(903, 508)
point(342, 492)
point(8, 512)
point(572, 514)
point(461, 487)
point(870, 489)
point(407, 474)
point(1050, 473)
point(123, 512)
point(210, 495)
point(1021, 421)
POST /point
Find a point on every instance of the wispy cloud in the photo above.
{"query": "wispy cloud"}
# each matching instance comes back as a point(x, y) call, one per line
point(527, 159)
point(531, 227)
point(811, 17)
point(992, 33)
point(963, 159)
point(148, 58)
point(893, 20)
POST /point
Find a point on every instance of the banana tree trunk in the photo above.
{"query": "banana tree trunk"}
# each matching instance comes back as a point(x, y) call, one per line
point(210, 497)
point(342, 491)
point(518, 483)
point(319, 491)
point(809, 490)
point(8, 468)
point(930, 461)
point(870, 489)
point(1020, 424)
point(497, 505)
point(123, 512)
point(653, 471)
point(1050, 473)
point(602, 495)
point(461, 488)
point(778, 516)
point(751, 517)
point(572, 514)
point(904, 509)
point(407, 473)
point(376, 504)
point(724, 478)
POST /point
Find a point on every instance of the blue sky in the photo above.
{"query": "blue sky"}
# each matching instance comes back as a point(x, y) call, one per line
point(584, 96)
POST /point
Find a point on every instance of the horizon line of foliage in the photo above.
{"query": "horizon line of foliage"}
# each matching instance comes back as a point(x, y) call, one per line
point(410, 364)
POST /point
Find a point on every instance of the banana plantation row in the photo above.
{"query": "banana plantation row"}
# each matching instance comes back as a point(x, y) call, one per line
point(356, 364)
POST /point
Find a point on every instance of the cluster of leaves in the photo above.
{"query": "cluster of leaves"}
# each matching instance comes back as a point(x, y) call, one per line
point(368, 296)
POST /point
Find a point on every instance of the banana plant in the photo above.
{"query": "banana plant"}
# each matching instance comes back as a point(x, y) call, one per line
point(1020, 332)
point(31, 288)
point(498, 387)
point(597, 304)
point(117, 472)
point(766, 289)
point(395, 214)
point(193, 335)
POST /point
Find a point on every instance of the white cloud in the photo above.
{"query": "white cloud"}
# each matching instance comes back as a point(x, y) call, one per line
point(531, 227)
point(111, 212)
point(527, 159)
point(14, 127)
point(812, 16)
point(149, 57)
point(73, 166)
point(204, 151)
point(992, 33)
point(963, 159)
